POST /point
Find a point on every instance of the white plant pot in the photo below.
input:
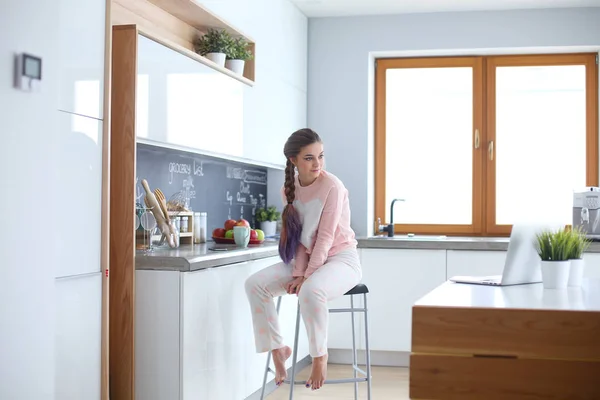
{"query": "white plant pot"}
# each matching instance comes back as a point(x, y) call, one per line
point(236, 66)
point(217, 58)
point(555, 274)
point(576, 272)
point(268, 227)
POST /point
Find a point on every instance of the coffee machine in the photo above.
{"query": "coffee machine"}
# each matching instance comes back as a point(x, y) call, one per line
point(586, 212)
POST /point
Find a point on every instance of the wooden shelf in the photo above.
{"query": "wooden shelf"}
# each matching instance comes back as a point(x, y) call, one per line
point(194, 56)
point(176, 24)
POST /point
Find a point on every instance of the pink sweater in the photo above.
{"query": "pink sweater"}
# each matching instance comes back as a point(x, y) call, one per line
point(325, 215)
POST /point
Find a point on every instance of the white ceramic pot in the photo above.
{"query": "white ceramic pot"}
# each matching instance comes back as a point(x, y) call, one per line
point(576, 272)
point(268, 227)
point(555, 274)
point(217, 58)
point(236, 66)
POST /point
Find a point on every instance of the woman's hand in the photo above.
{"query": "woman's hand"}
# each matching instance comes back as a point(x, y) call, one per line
point(294, 286)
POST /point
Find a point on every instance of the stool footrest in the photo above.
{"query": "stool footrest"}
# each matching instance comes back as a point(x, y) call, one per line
point(359, 370)
point(346, 380)
point(295, 382)
point(340, 310)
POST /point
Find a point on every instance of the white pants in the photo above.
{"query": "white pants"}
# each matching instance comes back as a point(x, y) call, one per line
point(333, 279)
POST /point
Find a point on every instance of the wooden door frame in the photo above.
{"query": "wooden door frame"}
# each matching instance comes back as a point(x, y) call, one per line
point(122, 211)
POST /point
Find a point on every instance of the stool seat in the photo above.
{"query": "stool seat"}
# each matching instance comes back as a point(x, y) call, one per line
point(361, 288)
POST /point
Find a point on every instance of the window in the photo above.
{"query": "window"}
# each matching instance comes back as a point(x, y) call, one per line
point(474, 144)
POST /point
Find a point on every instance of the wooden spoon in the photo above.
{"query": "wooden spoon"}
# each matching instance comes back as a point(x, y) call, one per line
point(162, 222)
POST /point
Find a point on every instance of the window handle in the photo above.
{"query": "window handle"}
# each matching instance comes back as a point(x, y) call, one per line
point(491, 149)
point(476, 138)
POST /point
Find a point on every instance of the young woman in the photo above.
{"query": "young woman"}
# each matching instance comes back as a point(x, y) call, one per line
point(318, 249)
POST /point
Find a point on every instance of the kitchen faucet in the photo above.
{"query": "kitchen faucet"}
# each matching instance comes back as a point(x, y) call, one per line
point(390, 227)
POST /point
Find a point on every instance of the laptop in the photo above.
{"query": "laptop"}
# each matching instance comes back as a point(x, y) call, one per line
point(522, 265)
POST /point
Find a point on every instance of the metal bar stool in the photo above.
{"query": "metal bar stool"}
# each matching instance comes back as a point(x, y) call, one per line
point(358, 289)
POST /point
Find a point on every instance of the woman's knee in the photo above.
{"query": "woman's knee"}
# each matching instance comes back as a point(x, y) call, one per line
point(311, 293)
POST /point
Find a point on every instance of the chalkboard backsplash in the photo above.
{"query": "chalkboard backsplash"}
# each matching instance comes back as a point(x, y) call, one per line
point(224, 189)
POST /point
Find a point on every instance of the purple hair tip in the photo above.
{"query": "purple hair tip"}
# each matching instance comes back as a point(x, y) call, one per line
point(287, 250)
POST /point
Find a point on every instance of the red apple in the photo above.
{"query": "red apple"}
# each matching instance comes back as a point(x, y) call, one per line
point(229, 224)
point(242, 222)
point(253, 235)
point(219, 232)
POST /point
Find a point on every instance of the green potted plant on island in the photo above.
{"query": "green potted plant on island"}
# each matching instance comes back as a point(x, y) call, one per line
point(554, 248)
point(237, 55)
point(580, 244)
point(214, 45)
point(268, 220)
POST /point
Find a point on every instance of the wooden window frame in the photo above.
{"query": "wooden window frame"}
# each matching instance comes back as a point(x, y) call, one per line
point(484, 118)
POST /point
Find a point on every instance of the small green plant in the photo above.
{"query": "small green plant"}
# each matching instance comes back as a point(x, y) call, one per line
point(214, 41)
point(270, 214)
point(239, 50)
point(580, 243)
point(555, 245)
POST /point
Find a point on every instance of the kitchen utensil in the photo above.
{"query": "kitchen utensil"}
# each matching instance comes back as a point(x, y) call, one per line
point(162, 220)
point(160, 197)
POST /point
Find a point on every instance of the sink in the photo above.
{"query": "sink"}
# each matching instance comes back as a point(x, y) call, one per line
point(410, 237)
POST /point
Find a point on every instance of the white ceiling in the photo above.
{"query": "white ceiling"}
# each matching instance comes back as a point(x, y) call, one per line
point(338, 8)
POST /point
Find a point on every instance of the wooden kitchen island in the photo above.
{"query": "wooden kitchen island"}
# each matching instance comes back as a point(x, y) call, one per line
point(515, 342)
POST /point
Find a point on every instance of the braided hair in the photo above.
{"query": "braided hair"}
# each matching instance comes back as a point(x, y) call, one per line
point(291, 228)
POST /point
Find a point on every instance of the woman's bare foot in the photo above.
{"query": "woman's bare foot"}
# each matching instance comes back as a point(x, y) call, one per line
point(318, 373)
point(279, 358)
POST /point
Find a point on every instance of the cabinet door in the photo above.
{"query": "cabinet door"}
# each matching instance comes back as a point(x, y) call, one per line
point(396, 279)
point(592, 265)
point(475, 262)
point(180, 101)
point(78, 337)
point(198, 333)
point(81, 176)
point(81, 60)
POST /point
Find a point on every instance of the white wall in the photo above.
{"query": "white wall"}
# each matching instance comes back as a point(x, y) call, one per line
point(29, 197)
point(276, 105)
point(341, 76)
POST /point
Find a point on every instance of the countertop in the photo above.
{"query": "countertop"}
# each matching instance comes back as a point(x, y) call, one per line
point(443, 243)
point(200, 256)
point(530, 296)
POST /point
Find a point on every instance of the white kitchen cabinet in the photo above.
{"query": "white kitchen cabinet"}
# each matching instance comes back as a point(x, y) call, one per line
point(78, 337)
point(81, 57)
point(474, 262)
point(396, 279)
point(194, 337)
point(182, 102)
point(592, 265)
point(80, 149)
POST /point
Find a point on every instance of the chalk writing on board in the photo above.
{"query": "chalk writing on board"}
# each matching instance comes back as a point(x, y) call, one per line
point(198, 169)
point(235, 173)
point(262, 201)
point(256, 177)
point(224, 189)
point(178, 168)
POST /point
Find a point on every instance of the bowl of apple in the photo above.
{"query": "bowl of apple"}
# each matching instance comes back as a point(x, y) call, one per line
point(225, 235)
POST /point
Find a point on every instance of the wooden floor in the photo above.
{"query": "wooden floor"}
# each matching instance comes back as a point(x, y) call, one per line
point(387, 383)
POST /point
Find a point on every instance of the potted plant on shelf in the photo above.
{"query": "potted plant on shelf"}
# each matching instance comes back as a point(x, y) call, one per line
point(214, 45)
point(580, 244)
point(268, 220)
point(554, 249)
point(237, 55)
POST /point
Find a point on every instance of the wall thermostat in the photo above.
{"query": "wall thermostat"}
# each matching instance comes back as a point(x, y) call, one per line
point(28, 72)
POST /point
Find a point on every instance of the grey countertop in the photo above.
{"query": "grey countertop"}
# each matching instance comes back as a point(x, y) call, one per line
point(443, 243)
point(201, 256)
